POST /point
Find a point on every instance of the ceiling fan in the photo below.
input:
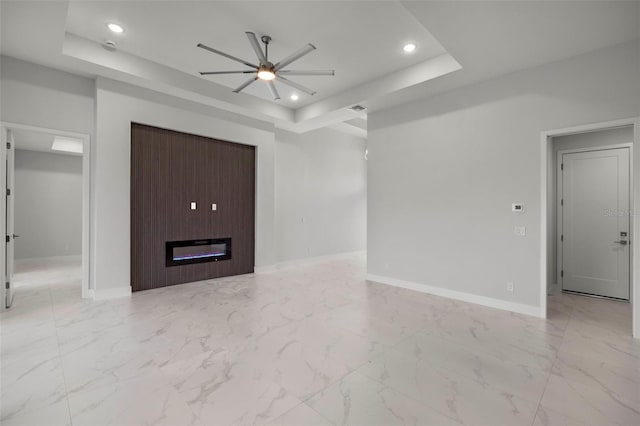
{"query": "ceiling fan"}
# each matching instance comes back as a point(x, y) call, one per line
point(267, 71)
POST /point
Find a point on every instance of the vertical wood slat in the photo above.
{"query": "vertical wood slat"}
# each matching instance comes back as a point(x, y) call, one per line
point(170, 169)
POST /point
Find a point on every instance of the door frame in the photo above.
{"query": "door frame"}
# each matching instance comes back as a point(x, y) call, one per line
point(559, 191)
point(546, 154)
point(87, 287)
point(3, 224)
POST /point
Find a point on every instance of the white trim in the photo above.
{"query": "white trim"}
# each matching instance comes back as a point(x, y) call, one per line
point(110, 293)
point(545, 154)
point(545, 145)
point(458, 295)
point(86, 196)
point(295, 263)
point(3, 224)
point(558, 216)
point(264, 269)
point(593, 127)
point(596, 148)
point(52, 259)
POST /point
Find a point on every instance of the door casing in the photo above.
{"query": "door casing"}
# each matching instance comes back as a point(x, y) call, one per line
point(10, 217)
point(3, 225)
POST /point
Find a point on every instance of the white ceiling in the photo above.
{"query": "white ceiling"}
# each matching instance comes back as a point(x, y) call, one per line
point(492, 38)
point(459, 43)
point(360, 43)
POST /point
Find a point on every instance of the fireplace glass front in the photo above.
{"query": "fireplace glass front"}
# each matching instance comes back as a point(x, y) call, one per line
point(197, 251)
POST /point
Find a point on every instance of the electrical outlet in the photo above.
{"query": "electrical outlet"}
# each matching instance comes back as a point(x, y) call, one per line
point(517, 207)
point(510, 287)
point(520, 231)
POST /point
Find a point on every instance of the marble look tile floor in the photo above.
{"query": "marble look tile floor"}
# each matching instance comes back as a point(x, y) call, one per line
point(315, 345)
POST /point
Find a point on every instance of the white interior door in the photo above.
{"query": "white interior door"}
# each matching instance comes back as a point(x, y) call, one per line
point(9, 217)
point(595, 222)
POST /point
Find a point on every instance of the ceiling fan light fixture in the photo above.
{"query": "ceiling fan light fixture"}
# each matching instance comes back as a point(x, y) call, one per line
point(294, 97)
point(266, 74)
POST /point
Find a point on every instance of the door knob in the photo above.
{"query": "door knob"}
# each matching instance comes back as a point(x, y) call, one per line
point(15, 236)
point(621, 242)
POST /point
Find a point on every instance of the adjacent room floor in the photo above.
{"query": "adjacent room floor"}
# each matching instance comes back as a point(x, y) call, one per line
point(314, 345)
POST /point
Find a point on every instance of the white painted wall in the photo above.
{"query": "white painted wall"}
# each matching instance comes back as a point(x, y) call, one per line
point(320, 194)
point(620, 135)
point(443, 172)
point(44, 97)
point(48, 204)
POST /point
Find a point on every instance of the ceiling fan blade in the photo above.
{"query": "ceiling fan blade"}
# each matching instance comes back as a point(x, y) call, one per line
point(308, 72)
point(212, 50)
point(274, 91)
point(227, 72)
point(256, 47)
point(295, 56)
point(288, 82)
point(245, 84)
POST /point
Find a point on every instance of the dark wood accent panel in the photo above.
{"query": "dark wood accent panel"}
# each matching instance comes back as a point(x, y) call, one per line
point(171, 169)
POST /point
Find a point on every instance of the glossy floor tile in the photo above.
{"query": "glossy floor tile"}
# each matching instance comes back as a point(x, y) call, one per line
point(313, 345)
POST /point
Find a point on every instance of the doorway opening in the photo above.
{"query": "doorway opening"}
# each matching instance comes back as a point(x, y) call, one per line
point(588, 215)
point(46, 207)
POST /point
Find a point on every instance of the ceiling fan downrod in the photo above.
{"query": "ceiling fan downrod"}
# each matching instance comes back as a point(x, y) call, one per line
point(266, 39)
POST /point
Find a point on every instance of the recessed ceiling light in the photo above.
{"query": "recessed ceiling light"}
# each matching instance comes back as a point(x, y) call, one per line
point(115, 28)
point(67, 145)
point(409, 47)
point(294, 97)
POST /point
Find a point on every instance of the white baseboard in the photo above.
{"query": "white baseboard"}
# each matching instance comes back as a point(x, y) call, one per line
point(111, 293)
point(295, 263)
point(52, 259)
point(458, 295)
point(88, 293)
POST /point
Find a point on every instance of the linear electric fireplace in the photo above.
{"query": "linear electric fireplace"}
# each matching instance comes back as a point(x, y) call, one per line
point(197, 251)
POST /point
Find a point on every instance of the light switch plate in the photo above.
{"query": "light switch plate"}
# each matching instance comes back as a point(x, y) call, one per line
point(520, 231)
point(214, 207)
point(517, 207)
point(193, 205)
